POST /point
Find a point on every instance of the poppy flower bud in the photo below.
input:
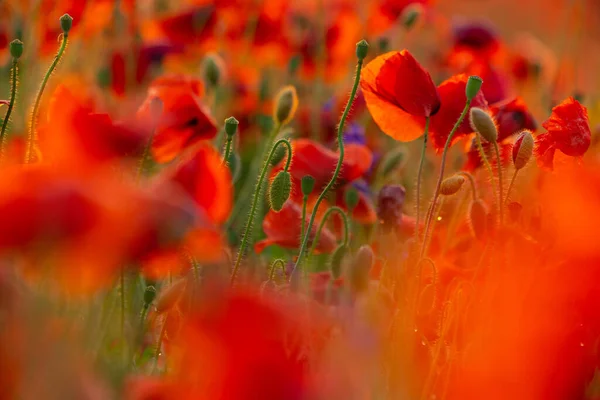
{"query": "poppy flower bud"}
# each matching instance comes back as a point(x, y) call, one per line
point(170, 296)
point(360, 269)
point(478, 219)
point(278, 155)
point(337, 258)
point(391, 161)
point(294, 64)
point(280, 190)
point(212, 70)
point(149, 295)
point(16, 48)
point(451, 185)
point(351, 198)
point(411, 15)
point(231, 126)
point(66, 22)
point(390, 202)
point(473, 87)
point(286, 103)
point(523, 149)
point(483, 123)
point(384, 45)
point(362, 49)
point(307, 185)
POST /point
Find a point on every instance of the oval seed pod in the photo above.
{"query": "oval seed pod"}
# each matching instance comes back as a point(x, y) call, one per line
point(212, 69)
point(278, 155)
point(16, 48)
point(149, 295)
point(336, 260)
point(483, 123)
point(231, 126)
point(358, 274)
point(351, 198)
point(410, 15)
point(473, 86)
point(280, 190)
point(523, 149)
point(286, 103)
point(478, 217)
point(66, 22)
point(307, 185)
point(362, 49)
point(451, 185)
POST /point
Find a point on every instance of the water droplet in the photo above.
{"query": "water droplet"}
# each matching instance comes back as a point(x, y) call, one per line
point(423, 343)
point(439, 218)
point(581, 344)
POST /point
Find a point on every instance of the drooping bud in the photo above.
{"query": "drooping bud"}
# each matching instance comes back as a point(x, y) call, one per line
point(473, 87)
point(483, 123)
point(278, 155)
point(212, 69)
point(523, 149)
point(390, 203)
point(358, 273)
point(231, 126)
point(337, 259)
point(66, 22)
point(16, 49)
point(286, 103)
point(149, 295)
point(411, 15)
point(451, 185)
point(362, 49)
point(280, 190)
point(307, 185)
point(478, 219)
point(351, 198)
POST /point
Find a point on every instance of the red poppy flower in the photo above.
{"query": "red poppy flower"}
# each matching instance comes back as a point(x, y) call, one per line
point(472, 42)
point(284, 229)
point(568, 130)
point(185, 119)
point(496, 87)
point(385, 13)
point(190, 26)
point(453, 99)
point(399, 94)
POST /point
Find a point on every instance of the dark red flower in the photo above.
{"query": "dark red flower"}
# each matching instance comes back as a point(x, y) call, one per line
point(568, 130)
point(512, 117)
point(399, 94)
point(193, 25)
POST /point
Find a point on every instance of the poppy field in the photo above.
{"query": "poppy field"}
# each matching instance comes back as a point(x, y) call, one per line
point(300, 200)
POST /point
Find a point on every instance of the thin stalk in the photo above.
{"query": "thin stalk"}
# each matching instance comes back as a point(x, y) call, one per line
point(500, 188)
point(423, 151)
point(337, 168)
point(249, 224)
point(32, 135)
point(303, 222)
point(330, 211)
point(273, 266)
point(13, 95)
point(161, 336)
point(441, 177)
point(227, 150)
point(471, 181)
point(512, 182)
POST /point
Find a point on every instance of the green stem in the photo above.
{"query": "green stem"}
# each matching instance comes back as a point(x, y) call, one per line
point(303, 222)
point(274, 265)
point(13, 95)
point(337, 168)
point(471, 181)
point(500, 188)
point(227, 150)
point(330, 211)
point(512, 182)
point(423, 151)
point(32, 137)
point(257, 195)
point(441, 177)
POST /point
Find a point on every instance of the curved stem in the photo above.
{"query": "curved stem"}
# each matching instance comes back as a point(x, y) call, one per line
point(330, 211)
point(512, 182)
point(227, 150)
point(337, 168)
point(487, 164)
point(31, 136)
point(423, 151)
point(471, 181)
point(13, 95)
point(248, 230)
point(161, 336)
point(303, 222)
point(145, 155)
point(500, 188)
point(274, 265)
point(436, 194)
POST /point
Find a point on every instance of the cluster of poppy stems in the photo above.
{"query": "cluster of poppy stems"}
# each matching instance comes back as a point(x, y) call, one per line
point(144, 206)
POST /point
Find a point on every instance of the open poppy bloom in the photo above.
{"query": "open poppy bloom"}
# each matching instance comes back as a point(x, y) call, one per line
point(568, 130)
point(185, 120)
point(399, 94)
point(472, 41)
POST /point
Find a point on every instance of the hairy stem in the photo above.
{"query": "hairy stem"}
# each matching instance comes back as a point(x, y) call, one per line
point(512, 182)
point(500, 188)
point(13, 95)
point(471, 182)
point(423, 151)
point(330, 211)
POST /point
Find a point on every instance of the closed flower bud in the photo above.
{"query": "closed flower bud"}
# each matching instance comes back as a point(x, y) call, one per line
point(16, 48)
point(451, 185)
point(483, 123)
point(149, 295)
point(231, 126)
point(307, 185)
point(286, 104)
point(212, 70)
point(66, 22)
point(294, 64)
point(523, 149)
point(351, 198)
point(358, 274)
point(280, 190)
point(478, 218)
point(278, 155)
point(473, 87)
point(362, 49)
point(411, 15)
point(337, 259)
